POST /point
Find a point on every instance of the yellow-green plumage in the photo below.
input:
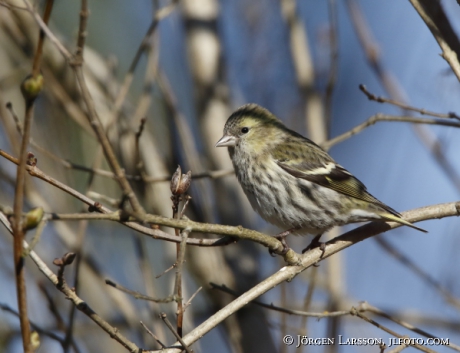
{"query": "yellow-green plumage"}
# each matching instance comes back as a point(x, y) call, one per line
point(293, 183)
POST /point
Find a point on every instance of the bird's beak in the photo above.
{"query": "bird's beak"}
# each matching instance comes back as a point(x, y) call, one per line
point(227, 141)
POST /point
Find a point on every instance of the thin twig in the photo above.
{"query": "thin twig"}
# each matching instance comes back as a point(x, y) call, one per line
point(378, 99)
point(188, 302)
point(72, 296)
point(72, 312)
point(225, 289)
point(154, 233)
point(29, 94)
point(184, 207)
point(178, 282)
point(92, 115)
point(179, 186)
point(355, 312)
point(41, 39)
point(167, 270)
point(212, 174)
point(364, 306)
point(79, 250)
point(171, 328)
point(84, 13)
point(138, 295)
point(382, 117)
point(105, 143)
point(36, 327)
point(153, 335)
point(43, 26)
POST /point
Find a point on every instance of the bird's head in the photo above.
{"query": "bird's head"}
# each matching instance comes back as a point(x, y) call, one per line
point(252, 126)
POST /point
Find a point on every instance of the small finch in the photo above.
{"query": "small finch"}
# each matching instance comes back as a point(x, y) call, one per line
point(292, 182)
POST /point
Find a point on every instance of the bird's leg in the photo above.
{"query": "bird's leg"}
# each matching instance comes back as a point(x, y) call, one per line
point(282, 238)
point(315, 243)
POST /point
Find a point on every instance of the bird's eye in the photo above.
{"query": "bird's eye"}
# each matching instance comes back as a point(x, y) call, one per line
point(245, 130)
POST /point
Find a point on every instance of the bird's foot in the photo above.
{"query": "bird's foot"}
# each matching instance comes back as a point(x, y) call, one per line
point(282, 238)
point(315, 243)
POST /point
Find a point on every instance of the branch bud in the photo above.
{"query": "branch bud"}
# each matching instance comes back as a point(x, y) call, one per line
point(180, 182)
point(31, 87)
point(31, 159)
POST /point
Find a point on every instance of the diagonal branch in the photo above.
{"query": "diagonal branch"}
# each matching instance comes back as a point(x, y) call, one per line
point(438, 23)
point(309, 259)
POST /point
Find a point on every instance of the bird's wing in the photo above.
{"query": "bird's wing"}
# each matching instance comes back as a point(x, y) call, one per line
point(332, 176)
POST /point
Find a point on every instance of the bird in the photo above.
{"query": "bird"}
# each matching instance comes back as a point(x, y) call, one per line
point(293, 183)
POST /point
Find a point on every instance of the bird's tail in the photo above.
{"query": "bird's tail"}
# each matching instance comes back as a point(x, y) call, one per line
point(398, 219)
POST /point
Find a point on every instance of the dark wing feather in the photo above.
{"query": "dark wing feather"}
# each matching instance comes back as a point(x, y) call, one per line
point(327, 174)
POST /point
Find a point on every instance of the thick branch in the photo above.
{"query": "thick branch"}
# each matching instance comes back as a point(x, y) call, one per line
point(311, 258)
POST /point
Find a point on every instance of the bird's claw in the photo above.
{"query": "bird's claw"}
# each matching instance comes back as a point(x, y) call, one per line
point(282, 238)
point(315, 243)
point(286, 248)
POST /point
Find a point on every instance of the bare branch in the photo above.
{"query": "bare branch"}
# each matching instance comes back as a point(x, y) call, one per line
point(381, 117)
point(72, 296)
point(438, 23)
point(225, 289)
point(138, 295)
point(92, 115)
point(404, 106)
point(355, 312)
point(186, 305)
point(154, 233)
point(171, 328)
point(309, 259)
point(153, 335)
point(48, 32)
point(364, 306)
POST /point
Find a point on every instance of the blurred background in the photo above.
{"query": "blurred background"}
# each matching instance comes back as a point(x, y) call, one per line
point(304, 61)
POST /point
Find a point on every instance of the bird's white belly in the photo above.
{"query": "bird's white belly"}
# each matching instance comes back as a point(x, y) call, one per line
point(290, 208)
point(289, 202)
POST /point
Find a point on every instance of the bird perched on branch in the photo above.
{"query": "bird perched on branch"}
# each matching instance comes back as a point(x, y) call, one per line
point(292, 182)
